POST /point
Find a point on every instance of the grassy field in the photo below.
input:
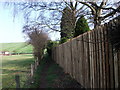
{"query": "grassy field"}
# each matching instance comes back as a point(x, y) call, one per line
point(21, 47)
point(15, 65)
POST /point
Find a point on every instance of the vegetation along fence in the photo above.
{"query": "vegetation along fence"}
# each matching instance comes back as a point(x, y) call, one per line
point(91, 58)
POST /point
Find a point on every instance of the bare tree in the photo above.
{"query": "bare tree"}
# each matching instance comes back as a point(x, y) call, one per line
point(54, 12)
point(37, 38)
point(101, 10)
point(48, 15)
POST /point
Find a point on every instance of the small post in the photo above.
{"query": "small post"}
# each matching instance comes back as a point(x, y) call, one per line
point(32, 70)
point(37, 61)
point(17, 79)
point(35, 64)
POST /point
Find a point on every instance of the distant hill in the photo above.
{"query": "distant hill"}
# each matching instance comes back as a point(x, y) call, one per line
point(21, 47)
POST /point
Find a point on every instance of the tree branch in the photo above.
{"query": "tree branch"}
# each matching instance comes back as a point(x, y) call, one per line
point(92, 9)
point(111, 13)
point(52, 28)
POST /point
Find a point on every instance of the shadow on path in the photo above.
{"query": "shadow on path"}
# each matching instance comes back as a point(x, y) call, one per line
point(53, 76)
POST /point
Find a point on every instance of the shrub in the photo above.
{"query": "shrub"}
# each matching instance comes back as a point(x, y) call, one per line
point(64, 39)
point(50, 45)
point(81, 26)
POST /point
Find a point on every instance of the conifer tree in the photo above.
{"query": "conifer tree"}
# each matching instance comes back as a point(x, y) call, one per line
point(81, 26)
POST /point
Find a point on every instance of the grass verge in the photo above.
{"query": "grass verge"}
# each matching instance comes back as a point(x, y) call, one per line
point(15, 65)
point(35, 80)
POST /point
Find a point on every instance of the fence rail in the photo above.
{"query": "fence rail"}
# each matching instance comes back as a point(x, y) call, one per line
point(90, 58)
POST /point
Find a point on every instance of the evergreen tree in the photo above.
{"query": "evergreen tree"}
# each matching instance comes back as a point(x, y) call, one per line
point(81, 26)
point(67, 24)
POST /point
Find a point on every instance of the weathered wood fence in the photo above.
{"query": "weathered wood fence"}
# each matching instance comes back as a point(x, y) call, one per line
point(32, 71)
point(90, 58)
point(34, 67)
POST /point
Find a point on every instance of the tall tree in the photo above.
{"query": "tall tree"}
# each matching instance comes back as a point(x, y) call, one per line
point(67, 23)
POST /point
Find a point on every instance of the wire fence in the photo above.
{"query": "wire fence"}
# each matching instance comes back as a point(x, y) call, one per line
point(29, 76)
point(21, 79)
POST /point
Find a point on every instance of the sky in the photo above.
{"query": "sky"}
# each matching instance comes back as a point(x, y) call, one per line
point(10, 28)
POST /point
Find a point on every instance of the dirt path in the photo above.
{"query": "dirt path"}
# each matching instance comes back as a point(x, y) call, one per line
point(43, 80)
point(52, 76)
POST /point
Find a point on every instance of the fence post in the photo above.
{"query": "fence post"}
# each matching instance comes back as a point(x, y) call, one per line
point(37, 61)
point(32, 70)
point(35, 65)
point(17, 79)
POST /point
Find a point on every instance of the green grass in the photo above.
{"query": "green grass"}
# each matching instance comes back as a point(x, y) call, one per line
point(15, 65)
point(37, 76)
point(51, 75)
point(21, 47)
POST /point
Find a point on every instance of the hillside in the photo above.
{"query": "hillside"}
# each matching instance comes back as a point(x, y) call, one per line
point(21, 47)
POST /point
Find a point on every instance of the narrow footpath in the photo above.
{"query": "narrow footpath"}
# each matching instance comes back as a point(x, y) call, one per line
point(52, 76)
point(43, 80)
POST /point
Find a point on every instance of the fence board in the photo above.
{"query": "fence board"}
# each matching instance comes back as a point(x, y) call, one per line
point(107, 58)
point(119, 69)
point(80, 60)
point(92, 51)
point(66, 56)
point(71, 59)
point(95, 59)
point(111, 62)
point(100, 57)
point(83, 64)
point(90, 55)
point(103, 58)
point(116, 69)
point(77, 61)
point(88, 61)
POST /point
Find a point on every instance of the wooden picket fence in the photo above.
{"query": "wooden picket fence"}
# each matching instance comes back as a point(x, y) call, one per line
point(90, 58)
